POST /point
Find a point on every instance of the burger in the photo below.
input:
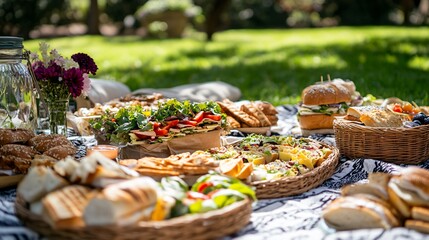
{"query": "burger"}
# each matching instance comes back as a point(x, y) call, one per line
point(322, 102)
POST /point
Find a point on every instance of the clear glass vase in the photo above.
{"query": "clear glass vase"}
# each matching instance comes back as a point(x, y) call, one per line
point(58, 116)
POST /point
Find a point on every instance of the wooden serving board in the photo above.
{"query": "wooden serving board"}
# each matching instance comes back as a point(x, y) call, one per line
point(10, 181)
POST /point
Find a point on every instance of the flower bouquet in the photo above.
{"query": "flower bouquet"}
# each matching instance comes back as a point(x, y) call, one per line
point(59, 78)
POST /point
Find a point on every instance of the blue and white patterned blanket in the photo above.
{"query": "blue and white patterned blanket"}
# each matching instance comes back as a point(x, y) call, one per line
point(296, 217)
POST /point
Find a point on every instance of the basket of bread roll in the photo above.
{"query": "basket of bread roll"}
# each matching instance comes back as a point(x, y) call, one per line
point(96, 198)
point(21, 148)
point(322, 102)
point(278, 166)
point(385, 201)
point(250, 117)
point(392, 132)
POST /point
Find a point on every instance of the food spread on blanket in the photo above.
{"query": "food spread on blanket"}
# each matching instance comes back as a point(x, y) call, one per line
point(385, 201)
point(171, 119)
point(98, 192)
point(260, 157)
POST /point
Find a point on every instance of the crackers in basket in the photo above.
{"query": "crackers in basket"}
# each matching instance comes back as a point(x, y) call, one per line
point(197, 163)
point(251, 114)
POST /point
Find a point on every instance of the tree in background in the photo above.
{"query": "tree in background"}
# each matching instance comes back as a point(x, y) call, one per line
point(19, 17)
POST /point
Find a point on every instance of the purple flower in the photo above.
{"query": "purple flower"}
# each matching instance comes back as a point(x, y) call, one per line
point(86, 63)
point(74, 80)
point(51, 73)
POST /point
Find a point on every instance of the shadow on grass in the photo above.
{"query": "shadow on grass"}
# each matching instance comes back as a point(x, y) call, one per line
point(380, 66)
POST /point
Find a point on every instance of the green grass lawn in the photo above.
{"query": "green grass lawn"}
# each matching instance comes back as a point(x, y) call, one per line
point(272, 65)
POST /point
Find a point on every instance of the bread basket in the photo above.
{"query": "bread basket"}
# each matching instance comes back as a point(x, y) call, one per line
point(289, 186)
point(397, 145)
point(210, 225)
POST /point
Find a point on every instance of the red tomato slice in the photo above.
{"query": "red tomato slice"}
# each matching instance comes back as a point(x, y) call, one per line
point(199, 117)
point(214, 117)
point(172, 123)
point(188, 122)
point(203, 186)
point(161, 131)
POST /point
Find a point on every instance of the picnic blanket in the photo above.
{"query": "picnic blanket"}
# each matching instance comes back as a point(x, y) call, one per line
point(295, 217)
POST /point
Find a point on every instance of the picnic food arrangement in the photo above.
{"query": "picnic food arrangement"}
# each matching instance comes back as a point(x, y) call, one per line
point(160, 168)
point(82, 197)
point(385, 201)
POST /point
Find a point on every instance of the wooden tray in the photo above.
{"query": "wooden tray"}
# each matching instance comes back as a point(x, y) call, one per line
point(10, 181)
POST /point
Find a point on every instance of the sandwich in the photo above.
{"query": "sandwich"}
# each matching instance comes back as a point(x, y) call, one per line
point(321, 103)
point(356, 212)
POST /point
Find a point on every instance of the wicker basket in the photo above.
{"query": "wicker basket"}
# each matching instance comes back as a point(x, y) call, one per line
point(210, 225)
point(289, 186)
point(396, 145)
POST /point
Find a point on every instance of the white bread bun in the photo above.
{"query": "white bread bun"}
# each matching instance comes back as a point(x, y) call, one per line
point(326, 93)
point(317, 121)
point(400, 205)
point(412, 186)
point(420, 213)
point(38, 182)
point(117, 204)
point(64, 208)
point(348, 213)
point(365, 188)
point(350, 85)
point(417, 225)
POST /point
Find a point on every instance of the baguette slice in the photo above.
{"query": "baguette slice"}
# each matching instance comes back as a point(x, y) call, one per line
point(348, 213)
point(64, 208)
point(123, 203)
point(252, 110)
point(39, 181)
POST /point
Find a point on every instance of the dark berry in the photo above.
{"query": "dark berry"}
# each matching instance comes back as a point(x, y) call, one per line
point(426, 121)
point(420, 117)
point(417, 122)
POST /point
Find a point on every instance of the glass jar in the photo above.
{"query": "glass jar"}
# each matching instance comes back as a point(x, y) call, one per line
point(18, 108)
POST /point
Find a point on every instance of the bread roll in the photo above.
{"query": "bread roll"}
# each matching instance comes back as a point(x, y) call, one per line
point(417, 225)
point(42, 137)
point(317, 121)
point(348, 213)
point(420, 213)
point(39, 181)
point(17, 150)
point(400, 205)
point(64, 208)
point(326, 93)
point(17, 157)
point(61, 152)
point(117, 204)
point(365, 188)
point(18, 135)
point(47, 144)
point(412, 186)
